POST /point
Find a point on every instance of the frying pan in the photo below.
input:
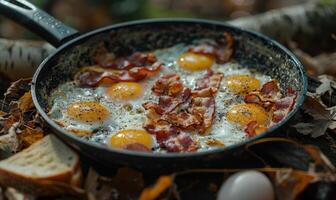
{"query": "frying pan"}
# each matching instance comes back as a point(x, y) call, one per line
point(74, 51)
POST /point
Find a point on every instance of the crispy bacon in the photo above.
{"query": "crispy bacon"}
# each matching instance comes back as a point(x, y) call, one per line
point(257, 98)
point(137, 147)
point(208, 85)
point(183, 120)
point(250, 128)
point(168, 104)
point(92, 78)
point(182, 143)
point(266, 96)
point(222, 50)
point(284, 103)
point(169, 85)
point(282, 107)
point(161, 129)
point(205, 108)
point(253, 128)
point(137, 59)
point(253, 98)
point(270, 88)
point(278, 116)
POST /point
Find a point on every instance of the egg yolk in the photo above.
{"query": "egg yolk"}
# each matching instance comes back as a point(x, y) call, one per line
point(125, 91)
point(241, 84)
point(195, 62)
point(88, 111)
point(130, 136)
point(244, 113)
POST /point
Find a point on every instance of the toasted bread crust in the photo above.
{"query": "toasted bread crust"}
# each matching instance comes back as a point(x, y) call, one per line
point(62, 181)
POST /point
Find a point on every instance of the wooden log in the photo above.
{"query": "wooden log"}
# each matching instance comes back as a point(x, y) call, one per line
point(20, 58)
point(311, 25)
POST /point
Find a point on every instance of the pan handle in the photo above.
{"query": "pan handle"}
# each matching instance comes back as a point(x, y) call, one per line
point(37, 21)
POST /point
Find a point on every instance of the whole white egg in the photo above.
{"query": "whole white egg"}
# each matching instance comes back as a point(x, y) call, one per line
point(246, 185)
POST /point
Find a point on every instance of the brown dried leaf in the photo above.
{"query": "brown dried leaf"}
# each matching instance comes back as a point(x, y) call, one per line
point(2, 113)
point(18, 88)
point(29, 136)
point(8, 122)
point(289, 183)
point(26, 102)
point(322, 117)
point(321, 160)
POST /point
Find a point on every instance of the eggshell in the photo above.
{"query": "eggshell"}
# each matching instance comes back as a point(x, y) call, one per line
point(246, 185)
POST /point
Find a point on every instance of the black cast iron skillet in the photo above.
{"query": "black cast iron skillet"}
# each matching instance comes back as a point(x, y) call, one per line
point(74, 51)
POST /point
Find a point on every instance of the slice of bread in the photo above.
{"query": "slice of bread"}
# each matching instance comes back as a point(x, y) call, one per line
point(46, 168)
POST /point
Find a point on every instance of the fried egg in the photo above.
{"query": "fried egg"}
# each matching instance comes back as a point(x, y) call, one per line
point(112, 113)
point(195, 62)
point(130, 136)
point(124, 91)
point(83, 117)
point(242, 84)
point(242, 114)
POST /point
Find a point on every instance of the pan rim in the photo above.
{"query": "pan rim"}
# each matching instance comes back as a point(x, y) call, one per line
point(74, 41)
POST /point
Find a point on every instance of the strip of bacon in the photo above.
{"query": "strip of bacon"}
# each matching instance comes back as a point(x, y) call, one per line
point(183, 120)
point(266, 96)
point(257, 98)
point(253, 128)
point(92, 78)
point(205, 108)
point(181, 143)
point(169, 84)
point(282, 107)
point(208, 85)
point(161, 129)
point(222, 50)
point(137, 59)
point(168, 104)
point(270, 88)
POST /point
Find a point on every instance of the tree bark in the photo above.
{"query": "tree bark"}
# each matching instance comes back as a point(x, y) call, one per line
point(311, 25)
point(20, 58)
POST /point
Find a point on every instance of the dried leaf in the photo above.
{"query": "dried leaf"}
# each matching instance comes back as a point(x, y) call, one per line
point(161, 185)
point(29, 136)
point(321, 161)
point(289, 183)
point(327, 85)
point(26, 102)
point(322, 117)
point(18, 88)
point(315, 129)
point(9, 142)
point(2, 113)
